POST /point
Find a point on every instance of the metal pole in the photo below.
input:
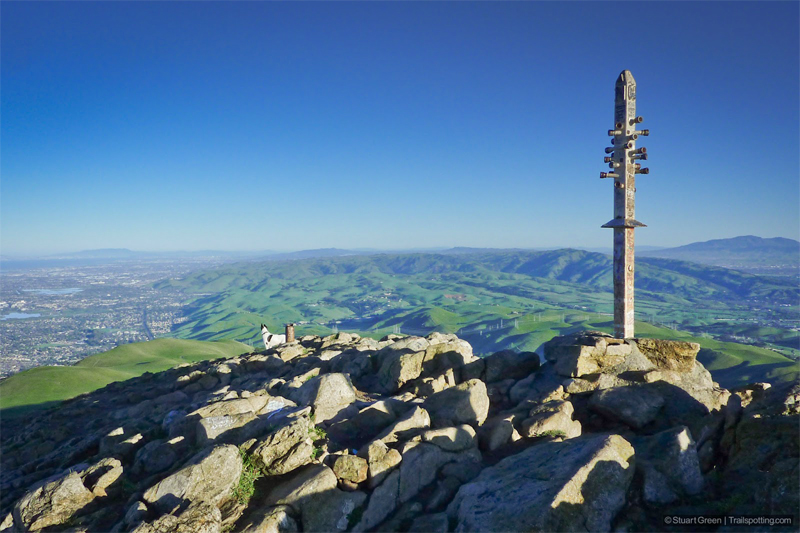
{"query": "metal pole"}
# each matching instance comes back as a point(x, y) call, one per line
point(623, 162)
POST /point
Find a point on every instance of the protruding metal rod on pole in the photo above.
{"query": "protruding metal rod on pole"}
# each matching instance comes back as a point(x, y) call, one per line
point(624, 220)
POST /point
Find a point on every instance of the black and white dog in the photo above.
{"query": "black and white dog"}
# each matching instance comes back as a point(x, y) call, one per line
point(270, 339)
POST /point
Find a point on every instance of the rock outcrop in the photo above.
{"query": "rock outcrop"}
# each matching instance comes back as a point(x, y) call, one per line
point(345, 433)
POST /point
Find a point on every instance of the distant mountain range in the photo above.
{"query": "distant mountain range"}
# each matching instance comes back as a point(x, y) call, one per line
point(776, 256)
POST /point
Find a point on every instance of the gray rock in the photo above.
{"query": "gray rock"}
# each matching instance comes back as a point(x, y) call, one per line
point(634, 406)
point(578, 386)
point(289, 351)
point(333, 510)
point(199, 517)
point(445, 352)
point(577, 361)
point(467, 403)
point(444, 493)
point(408, 423)
point(209, 476)
point(155, 456)
point(465, 468)
point(420, 465)
point(669, 465)
point(276, 519)
point(669, 355)
point(351, 468)
point(474, 370)
point(381, 461)
point(452, 439)
point(135, 514)
point(327, 394)
point(121, 442)
point(574, 485)
point(52, 502)
point(509, 364)
point(430, 523)
point(553, 418)
point(398, 368)
point(369, 421)
point(541, 386)
point(382, 503)
point(287, 447)
point(312, 494)
point(251, 404)
point(497, 432)
point(209, 429)
point(302, 484)
point(102, 476)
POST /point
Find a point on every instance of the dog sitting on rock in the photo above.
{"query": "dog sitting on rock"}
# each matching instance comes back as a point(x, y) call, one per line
point(271, 340)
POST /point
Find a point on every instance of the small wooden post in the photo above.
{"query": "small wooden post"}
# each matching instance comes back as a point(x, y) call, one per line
point(290, 332)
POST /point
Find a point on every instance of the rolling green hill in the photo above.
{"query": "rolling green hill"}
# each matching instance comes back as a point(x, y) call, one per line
point(41, 386)
point(478, 295)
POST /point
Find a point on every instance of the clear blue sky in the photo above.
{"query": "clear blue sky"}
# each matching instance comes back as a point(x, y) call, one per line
point(260, 125)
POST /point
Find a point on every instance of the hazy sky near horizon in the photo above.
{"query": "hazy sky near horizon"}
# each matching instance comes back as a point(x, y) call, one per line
point(283, 126)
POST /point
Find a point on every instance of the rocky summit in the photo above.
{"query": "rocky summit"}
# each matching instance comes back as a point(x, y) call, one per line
point(345, 433)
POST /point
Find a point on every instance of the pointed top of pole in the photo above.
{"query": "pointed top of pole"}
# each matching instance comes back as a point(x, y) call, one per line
point(625, 77)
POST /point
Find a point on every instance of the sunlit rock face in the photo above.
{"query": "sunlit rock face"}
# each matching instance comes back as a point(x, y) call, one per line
point(345, 433)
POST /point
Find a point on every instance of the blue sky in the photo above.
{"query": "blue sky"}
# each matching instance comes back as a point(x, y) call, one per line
point(260, 125)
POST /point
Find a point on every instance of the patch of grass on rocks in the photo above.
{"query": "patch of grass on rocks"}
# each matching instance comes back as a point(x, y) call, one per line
point(250, 473)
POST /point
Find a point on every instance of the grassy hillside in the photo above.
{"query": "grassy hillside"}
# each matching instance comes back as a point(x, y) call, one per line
point(37, 387)
point(498, 300)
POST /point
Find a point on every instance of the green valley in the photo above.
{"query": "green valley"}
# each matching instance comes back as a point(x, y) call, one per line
point(501, 299)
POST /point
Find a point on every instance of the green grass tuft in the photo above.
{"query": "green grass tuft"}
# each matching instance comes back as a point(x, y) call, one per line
point(250, 473)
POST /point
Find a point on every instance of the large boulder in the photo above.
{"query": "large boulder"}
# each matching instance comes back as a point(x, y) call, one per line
point(552, 419)
point(199, 517)
point(351, 468)
point(445, 352)
point(467, 403)
point(158, 455)
point(287, 447)
point(381, 461)
point(669, 355)
point(420, 465)
point(576, 485)
point(209, 476)
point(382, 502)
point(585, 353)
point(303, 484)
point(369, 421)
point(407, 424)
point(334, 510)
point(669, 465)
point(452, 439)
point(509, 364)
point(327, 394)
point(761, 472)
point(634, 406)
point(52, 502)
point(398, 368)
point(277, 519)
point(312, 495)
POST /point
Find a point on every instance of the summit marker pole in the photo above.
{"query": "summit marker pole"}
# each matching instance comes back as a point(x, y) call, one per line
point(622, 160)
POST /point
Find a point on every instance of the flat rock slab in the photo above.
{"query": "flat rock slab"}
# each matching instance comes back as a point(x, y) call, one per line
point(209, 477)
point(575, 485)
point(669, 355)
